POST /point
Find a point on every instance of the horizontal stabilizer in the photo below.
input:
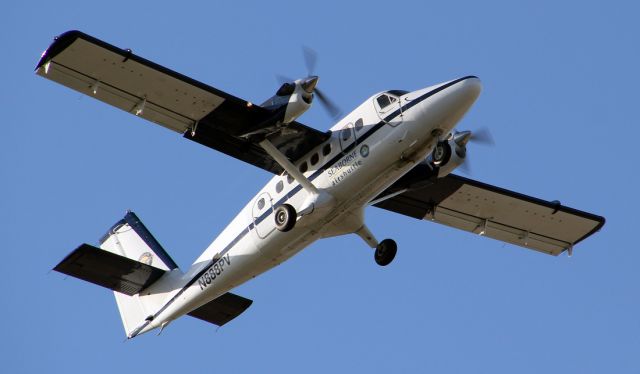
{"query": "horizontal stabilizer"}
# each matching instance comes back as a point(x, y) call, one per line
point(109, 270)
point(223, 309)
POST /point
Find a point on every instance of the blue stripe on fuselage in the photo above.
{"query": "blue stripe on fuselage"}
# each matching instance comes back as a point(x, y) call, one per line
point(298, 187)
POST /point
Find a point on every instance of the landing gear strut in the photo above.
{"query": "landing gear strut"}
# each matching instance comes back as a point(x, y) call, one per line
point(285, 217)
point(385, 252)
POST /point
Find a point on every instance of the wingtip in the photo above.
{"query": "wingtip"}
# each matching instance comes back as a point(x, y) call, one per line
point(59, 43)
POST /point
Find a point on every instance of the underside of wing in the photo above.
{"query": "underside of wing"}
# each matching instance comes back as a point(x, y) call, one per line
point(202, 113)
point(462, 203)
point(106, 269)
point(222, 310)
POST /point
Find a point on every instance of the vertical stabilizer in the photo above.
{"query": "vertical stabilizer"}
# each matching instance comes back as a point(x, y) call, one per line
point(130, 238)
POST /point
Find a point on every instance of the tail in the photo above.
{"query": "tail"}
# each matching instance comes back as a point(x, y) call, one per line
point(130, 238)
point(128, 262)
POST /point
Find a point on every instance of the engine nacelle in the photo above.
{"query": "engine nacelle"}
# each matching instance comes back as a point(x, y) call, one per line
point(299, 102)
point(292, 99)
point(449, 154)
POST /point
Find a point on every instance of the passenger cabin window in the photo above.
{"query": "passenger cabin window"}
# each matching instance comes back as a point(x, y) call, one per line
point(314, 159)
point(326, 150)
point(289, 179)
point(359, 125)
point(385, 100)
point(279, 186)
point(346, 133)
point(260, 204)
point(304, 167)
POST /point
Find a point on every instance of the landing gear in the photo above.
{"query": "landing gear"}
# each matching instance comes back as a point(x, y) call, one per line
point(285, 217)
point(441, 153)
point(385, 252)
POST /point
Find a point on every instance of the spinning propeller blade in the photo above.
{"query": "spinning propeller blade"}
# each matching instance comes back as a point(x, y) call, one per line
point(331, 108)
point(481, 136)
point(310, 59)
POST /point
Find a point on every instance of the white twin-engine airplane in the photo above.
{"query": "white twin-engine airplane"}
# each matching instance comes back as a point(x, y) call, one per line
point(395, 151)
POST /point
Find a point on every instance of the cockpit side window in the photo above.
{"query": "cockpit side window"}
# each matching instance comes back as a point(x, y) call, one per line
point(384, 101)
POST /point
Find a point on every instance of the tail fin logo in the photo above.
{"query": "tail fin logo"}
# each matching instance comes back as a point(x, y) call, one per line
point(146, 258)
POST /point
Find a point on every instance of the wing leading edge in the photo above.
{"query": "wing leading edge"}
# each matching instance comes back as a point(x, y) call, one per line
point(508, 216)
point(200, 112)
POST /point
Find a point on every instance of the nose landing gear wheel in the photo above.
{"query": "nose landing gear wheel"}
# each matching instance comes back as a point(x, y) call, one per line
point(385, 252)
point(285, 217)
point(441, 153)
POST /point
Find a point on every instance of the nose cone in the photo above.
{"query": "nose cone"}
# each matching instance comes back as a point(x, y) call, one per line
point(465, 90)
point(458, 97)
point(446, 103)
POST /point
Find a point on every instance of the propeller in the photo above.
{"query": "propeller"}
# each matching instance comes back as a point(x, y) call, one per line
point(309, 83)
point(310, 59)
point(481, 136)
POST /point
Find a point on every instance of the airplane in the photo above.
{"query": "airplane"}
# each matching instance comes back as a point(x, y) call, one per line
point(395, 151)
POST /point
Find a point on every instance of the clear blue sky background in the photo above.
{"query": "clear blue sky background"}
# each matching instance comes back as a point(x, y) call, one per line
point(560, 96)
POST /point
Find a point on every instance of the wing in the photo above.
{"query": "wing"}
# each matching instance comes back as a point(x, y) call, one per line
point(508, 216)
point(202, 113)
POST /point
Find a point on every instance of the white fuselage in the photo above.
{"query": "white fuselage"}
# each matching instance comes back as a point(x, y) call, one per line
point(370, 149)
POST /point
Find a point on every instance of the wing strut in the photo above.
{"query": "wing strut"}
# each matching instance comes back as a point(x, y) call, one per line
point(283, 161)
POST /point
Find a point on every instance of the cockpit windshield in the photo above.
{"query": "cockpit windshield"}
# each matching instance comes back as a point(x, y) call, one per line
point(397, 92)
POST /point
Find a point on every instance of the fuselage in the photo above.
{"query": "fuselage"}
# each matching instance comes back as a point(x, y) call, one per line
point(370, 149)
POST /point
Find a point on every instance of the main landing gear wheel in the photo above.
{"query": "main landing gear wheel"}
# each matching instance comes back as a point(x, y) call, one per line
point(385, 252)
point(285, 217)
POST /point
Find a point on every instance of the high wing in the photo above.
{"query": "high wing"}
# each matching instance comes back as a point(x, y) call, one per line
point(508, 216)
point(200, 112)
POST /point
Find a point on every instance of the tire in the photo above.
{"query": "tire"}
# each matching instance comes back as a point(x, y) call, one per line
point(441, 153)
point(285, 217)
point(385, 252)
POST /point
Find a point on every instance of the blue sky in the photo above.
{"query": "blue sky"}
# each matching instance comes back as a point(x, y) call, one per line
point(560, 96)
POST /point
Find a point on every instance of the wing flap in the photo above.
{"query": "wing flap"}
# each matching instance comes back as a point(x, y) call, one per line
point(106, 269)
point(222, 310)
point(465, 204)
